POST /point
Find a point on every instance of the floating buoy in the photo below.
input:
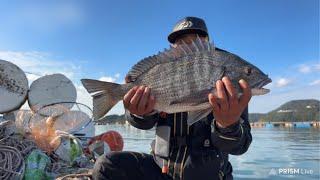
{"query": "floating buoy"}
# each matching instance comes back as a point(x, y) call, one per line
point(113, 139)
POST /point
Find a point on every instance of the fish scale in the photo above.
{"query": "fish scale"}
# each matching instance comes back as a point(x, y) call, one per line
point(170, 70)
point(180, 78)
point(175, 83)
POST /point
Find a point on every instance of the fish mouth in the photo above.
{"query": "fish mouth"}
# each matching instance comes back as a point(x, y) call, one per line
point(258, 87)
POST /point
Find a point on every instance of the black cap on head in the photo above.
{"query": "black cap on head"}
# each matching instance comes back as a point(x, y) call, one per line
point(188, 25)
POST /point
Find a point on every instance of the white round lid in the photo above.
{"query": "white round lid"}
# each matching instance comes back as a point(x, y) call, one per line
point(51, 89)
point(13, 87)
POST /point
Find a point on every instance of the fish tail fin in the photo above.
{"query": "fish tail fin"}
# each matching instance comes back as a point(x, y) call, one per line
point(106, 95)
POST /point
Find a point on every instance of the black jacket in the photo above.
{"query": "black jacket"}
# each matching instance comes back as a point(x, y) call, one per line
point(200, 150)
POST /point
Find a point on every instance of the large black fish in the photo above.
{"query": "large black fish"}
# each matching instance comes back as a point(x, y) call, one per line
point(180, 78)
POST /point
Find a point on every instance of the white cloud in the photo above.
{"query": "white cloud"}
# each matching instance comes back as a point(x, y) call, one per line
point(315, 82)
point(38, 63)
point(117, 75)
point(309, 68)
point(107, 79)
point(282, 82)
point(305, 69)
point(110, 78)
point(272, 100)
point(289, 86)
point(316, 67)
point(32, 77)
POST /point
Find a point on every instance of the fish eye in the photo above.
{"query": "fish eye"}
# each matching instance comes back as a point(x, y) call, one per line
point(248, 71)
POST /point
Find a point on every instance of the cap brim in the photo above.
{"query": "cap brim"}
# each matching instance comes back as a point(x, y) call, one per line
point(173, 36)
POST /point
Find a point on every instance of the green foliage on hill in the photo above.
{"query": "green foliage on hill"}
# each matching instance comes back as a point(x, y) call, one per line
point(295, 110)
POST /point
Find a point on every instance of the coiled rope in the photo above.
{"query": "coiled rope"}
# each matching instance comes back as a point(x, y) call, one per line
point(12, 150)
point(24, 146)
point(11, 163)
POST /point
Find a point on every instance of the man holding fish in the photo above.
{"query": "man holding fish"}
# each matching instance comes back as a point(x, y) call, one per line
point(197, 126)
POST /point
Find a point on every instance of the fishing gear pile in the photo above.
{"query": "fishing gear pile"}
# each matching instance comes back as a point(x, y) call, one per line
point(22, 158)
point(38, 142)
point(12, 151)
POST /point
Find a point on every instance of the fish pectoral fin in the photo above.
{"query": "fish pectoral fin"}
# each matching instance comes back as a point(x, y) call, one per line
point(195, 116)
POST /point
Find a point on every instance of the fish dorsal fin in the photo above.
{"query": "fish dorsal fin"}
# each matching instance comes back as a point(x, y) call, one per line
point(144, 65)
point(187, 47)
point(169, 55)
point(182, 50)
point(199, 43)
point(195, 46)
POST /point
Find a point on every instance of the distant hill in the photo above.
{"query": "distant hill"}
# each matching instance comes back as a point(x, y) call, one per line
point(254, 117)
point(295, 110)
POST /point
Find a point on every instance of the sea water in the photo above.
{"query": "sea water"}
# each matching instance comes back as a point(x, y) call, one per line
point(275, 153)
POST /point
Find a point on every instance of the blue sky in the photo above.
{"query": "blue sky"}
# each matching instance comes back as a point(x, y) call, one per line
point(103, 39)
